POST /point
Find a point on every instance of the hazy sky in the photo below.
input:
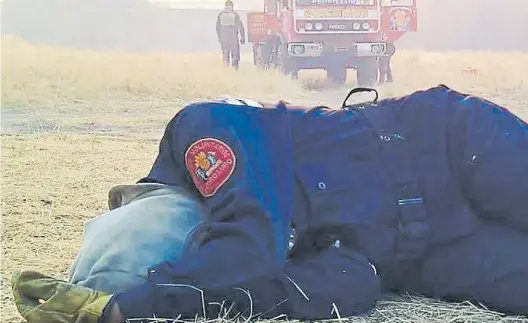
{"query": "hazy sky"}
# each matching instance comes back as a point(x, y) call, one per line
point(211, 4)
point(442, 24)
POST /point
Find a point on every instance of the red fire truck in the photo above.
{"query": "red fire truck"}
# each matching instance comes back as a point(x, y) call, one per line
point(333, 35)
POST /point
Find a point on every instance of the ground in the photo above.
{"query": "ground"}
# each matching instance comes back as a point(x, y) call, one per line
point(75, 123)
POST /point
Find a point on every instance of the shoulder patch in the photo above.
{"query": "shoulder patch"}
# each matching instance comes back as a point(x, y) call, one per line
point(211, 163)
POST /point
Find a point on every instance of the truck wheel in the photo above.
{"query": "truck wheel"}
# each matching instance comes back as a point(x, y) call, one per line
point(337, 75)
point(367, 71)
point(288, 68)
point(295, 74)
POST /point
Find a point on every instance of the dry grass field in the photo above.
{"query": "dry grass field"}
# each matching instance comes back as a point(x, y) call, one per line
point(75, 123)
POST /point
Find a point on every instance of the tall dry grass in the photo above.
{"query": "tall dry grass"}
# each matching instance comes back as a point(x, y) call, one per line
point(42, 75)
point(35, 75)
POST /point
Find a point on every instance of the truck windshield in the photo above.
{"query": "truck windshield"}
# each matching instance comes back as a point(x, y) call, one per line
point(335, 2)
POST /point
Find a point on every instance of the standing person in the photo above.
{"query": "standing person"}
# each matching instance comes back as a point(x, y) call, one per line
point(228, 28)
point(271, 49)
point(385, 71)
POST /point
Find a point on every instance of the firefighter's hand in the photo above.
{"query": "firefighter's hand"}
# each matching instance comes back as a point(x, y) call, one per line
point(242, 41)
point(44, 299)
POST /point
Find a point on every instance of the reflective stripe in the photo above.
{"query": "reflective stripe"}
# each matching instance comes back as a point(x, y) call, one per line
point(227, 19)
point(373, 268)
point(417, 200)
point(234, 101)
point(251, 103)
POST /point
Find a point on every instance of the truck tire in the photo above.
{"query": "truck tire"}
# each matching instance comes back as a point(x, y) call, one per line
point(367, 71)
point(295, 74)
point(336, 75)
point(287, 65)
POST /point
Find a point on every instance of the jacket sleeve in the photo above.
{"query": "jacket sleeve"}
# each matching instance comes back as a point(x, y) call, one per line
point(242, 248)
point(218, 26)
point(240, 27)
point(309, 288)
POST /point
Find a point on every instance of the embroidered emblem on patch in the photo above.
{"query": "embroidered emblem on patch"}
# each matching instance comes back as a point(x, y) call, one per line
point(210, 163)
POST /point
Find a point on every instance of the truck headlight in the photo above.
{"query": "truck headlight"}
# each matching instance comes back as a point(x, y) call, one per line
point(308, 26)
point(378, 48)
point(366, 25)
point(318, 26)
point(356, 26)
point(298, 49)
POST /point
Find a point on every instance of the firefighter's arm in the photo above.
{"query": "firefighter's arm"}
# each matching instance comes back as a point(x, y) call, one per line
point(238, 256)
point(218, 26)
point(309, 288)
point(240, 27)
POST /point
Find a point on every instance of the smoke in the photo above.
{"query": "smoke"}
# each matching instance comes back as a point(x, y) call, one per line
point(139, 25)
point(470, 25)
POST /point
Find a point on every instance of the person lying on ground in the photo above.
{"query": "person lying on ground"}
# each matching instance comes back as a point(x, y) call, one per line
point(425, 193)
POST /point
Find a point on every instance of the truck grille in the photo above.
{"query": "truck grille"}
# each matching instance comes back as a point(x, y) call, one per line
point(337, 26)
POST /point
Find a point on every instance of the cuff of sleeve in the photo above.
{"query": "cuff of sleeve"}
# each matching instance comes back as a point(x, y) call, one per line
point(137, 302)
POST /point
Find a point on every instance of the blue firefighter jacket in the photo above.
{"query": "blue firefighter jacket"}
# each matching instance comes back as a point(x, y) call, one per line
point(366, 190)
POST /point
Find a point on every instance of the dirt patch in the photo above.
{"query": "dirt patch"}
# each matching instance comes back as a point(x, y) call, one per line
point(76, 119)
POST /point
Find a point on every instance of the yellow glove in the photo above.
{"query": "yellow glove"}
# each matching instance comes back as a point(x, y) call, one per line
point(44, 299)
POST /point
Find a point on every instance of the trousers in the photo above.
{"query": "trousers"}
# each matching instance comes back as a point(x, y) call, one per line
point(489, 267)
point(231, 51)
point(146, 224)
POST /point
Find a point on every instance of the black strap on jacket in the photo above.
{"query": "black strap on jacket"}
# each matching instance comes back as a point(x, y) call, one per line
point(359, 90)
